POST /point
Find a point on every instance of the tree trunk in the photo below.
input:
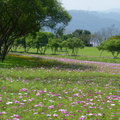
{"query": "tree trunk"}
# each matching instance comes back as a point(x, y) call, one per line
point(4, 51)
point(2, 56)
point(115, 55)
point(37, 50)
point(101, 53)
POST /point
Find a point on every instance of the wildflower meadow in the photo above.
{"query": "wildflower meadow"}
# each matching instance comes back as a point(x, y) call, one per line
point(38, 87)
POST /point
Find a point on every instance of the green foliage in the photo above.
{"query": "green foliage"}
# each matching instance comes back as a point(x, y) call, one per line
point(65, 37)
point(84, 35)
point(25, 42)
point(111, 45)
point(40, 41)
point(29, 41)
point(115, 37)
point(20, 17)
point(59, 32)
point(77, 33)
point(71, 43)
point(54, 43)
point(75, 44)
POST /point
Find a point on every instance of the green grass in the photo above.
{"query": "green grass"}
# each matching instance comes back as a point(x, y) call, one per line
point(34, 87)
point(88, 53)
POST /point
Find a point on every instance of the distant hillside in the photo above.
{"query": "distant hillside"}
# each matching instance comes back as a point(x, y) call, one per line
point(92, 21)
point(114, 10)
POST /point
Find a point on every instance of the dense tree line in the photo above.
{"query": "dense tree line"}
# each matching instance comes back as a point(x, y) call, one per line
point(43, 40)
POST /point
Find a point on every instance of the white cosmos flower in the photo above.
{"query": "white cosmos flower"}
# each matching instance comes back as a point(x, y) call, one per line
point(51, 100)
point(99, 114)
point(112, 104)
point(9, 103)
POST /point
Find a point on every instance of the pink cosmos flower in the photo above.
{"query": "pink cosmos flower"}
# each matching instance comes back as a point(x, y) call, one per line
point(4, 112)
point(76, 94)
point(35, 113)
point(63, 111)
point(14, 107)
point(17, 101)
point(78, 111)
point(23, 89)
point(31, 99)
point(39, 92)
point(82, 118)
point(42, 113)
point(20, 96)
point(55, 115)
point(65, 92)
point(27, 96)
point(48, 114)
point(18, 117)
point(50, 107)
point(3, 87)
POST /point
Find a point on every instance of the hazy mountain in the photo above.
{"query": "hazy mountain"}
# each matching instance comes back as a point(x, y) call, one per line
point(114, 10)
point(92, 21)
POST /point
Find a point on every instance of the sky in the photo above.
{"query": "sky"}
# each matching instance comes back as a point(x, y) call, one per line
point(91, 5)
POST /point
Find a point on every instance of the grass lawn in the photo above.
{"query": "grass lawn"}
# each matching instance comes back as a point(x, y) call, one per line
point(35, 87)
point(88, 53)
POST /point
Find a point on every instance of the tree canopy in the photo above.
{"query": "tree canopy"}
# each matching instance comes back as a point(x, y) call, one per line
point(84, 35)
point(74, 44)
point(111, 45)
point(20, 17)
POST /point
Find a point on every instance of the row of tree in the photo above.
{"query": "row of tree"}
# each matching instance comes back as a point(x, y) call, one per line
point(78, 39)
point(42, 40)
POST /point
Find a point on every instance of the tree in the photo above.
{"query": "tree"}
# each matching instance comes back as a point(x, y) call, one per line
point(74, 44)
point(65, 45)
point(101, 47)
point(40, 41)
point(22, 43)
point(16, 44)
point(67, 36)
point(111, 45)
point(84, 35)
point(54, 43)
point(29, 41)
point(21, 17)
point(77, 33)
point(59, 32)
point(104, 34)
